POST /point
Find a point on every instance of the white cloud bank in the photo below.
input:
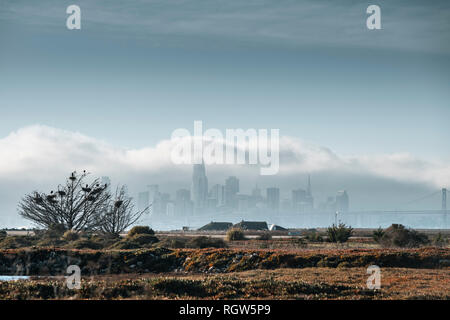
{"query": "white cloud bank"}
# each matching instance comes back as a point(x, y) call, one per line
point(35, 152)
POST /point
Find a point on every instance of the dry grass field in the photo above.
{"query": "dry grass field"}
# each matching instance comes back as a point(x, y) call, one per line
point(307, 283)
point(179, 267)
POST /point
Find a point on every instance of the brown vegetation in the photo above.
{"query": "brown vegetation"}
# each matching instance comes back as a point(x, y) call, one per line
point(308, 283)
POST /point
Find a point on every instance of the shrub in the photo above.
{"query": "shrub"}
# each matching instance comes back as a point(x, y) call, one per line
point(86, 244)
point(14, 242)
point(144, 239)
point(125, 244)
point(103, 240)
point(340, 233)
point(439, 240)
point(398, 236)
point(313, 236)
point(55, 231)
point(3, 234)
point(235, 234)
point(264, 245)
point(175, 243)
point(50, 242)
point(140, 230)
point(378, 234)
point(137, 241)
point(205, 242)
point(265, 236)
point(300, 242)
point(70, 235)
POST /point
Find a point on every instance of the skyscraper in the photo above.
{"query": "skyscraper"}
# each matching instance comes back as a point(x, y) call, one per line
point(299, 200)
point(217, 192)
point(309, 200)
point(342, 201)
point(199, 186)
point(308, 188)
point(298, 195)
point(144, 201)
point(155, 199)
point(183, 203)
point(302, 200)
point(256, 197)
point(256, 192)
point(273, 199)
point(231, 190)
point(182, 195)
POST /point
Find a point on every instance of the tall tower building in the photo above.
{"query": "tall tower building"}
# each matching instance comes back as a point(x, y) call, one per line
point(256, 192)
point(199, 186)
point(218, 193)
point(444, 199)
point(231, 191)
point(183, 203)
point(144, 201)
point(273, 198)
point(308, 188)
point(309, 199)
point(299, 200)
point(342, 201)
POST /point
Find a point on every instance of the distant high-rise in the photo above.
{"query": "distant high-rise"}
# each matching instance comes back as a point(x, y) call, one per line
point(164, 201)
point(256, 197)
point(153, 190)
point(218, 193)
point(309, 197)
point(154, 199)
point(342, 201)
point(298, 195)
point(144, 201)
point(183, 203)
point(256, 192)
point(302, 200)
point(182, 195)
point(299, 200)
point(199, 189)
point(308, 188)
point(231, 190)
point(273, 198)
point(444, 199)
point(170, 209)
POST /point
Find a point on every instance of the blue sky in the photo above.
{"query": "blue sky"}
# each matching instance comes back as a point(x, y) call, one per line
point(137, 70)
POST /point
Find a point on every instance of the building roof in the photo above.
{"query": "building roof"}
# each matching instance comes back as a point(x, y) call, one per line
point(220, 226)
point(274, 227)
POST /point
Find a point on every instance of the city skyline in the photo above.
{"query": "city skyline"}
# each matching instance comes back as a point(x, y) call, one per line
point(225, 200)
point(227, 196)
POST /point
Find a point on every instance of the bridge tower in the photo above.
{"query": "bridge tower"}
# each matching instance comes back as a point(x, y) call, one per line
point(444, 199)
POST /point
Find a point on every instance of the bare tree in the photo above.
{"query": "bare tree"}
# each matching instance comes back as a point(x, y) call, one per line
point(119, 214)
point(75, 205)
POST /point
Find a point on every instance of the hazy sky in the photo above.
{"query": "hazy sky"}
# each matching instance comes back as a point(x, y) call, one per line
point(139, 69)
